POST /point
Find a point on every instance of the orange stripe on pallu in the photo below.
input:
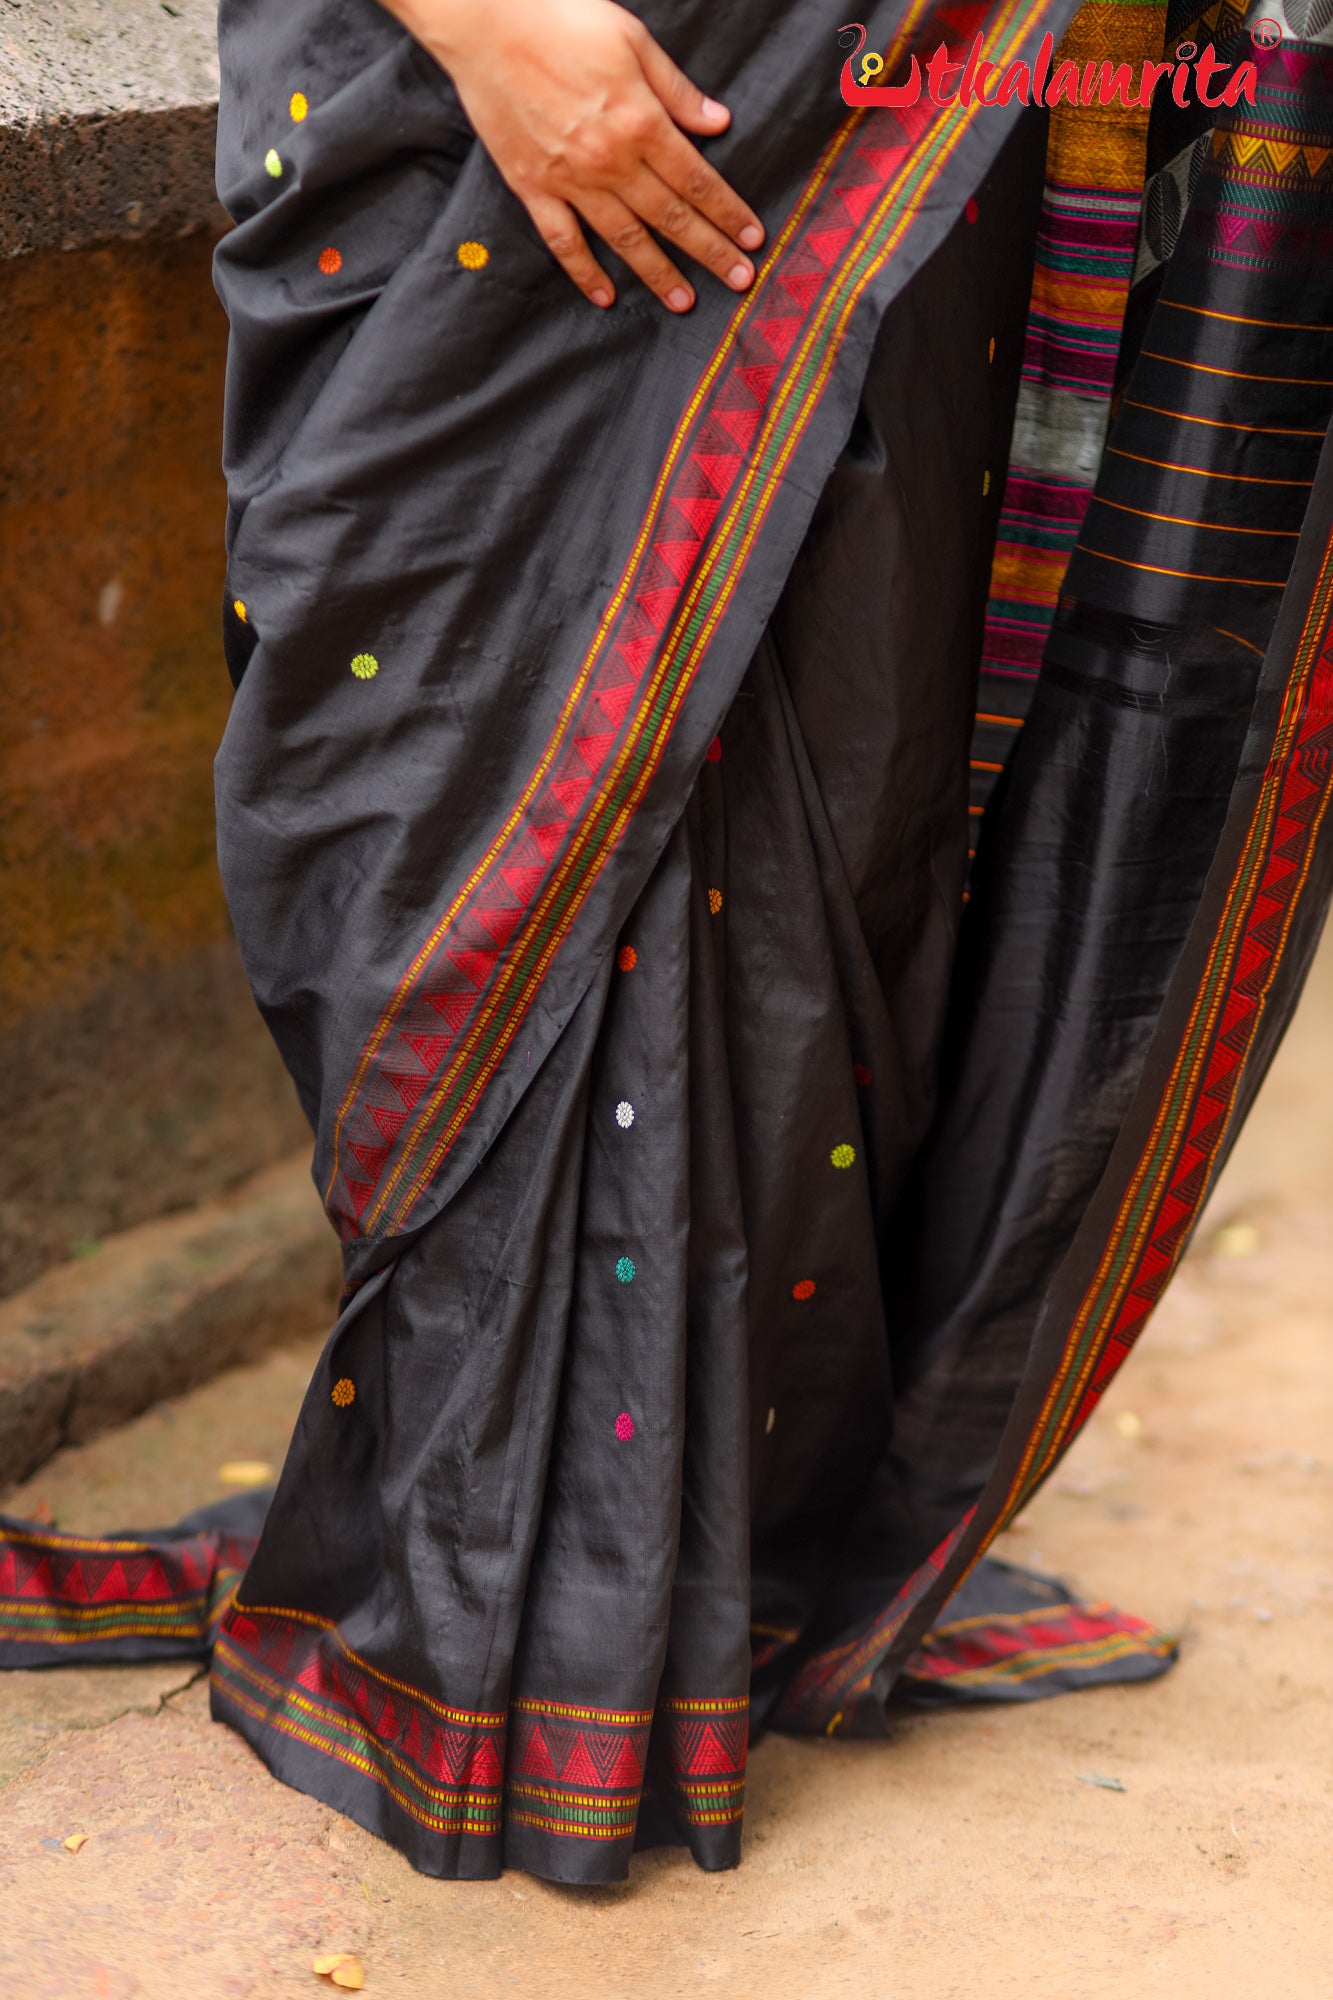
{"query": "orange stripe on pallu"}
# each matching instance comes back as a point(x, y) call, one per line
point(1239, 641)
point(1238, 374)
point(1217, 423)
point(1201, 472)
point(1183, 521)
point(948, 135)
point(1190, 575)
point(1242, 319)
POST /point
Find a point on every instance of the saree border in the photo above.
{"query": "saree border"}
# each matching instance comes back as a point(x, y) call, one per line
point(566, 1769)
point(1166, 1190)
point(495, 943)
point(995, 1655)
point(73, 1591)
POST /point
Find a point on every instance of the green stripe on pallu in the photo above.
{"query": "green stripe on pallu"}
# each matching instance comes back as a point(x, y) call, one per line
point(420, 1159)
point(711, 1802)
point(76, 1624)
point(444, 1809)
point(580, 1815)
point(1104, 1302)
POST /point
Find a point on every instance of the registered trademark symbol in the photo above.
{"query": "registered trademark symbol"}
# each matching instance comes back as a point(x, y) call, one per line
point(1266, 33)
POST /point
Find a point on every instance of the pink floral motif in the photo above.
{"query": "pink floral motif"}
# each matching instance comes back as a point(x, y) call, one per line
point(624, 1426)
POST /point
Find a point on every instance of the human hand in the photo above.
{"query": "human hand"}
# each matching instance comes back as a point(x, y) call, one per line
point(585, 117)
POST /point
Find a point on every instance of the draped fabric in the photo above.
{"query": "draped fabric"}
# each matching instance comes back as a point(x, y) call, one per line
point(767, 1044)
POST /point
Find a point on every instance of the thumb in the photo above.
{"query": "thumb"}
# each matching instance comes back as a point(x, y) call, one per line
point(683, 100)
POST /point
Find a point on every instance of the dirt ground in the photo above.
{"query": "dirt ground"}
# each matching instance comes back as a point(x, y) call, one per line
point(968, 1854)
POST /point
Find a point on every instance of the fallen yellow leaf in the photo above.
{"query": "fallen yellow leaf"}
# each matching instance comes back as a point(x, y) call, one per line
point(245, 1472)
point(74, 1842)
point(1237, 1239)
point(342, 1967)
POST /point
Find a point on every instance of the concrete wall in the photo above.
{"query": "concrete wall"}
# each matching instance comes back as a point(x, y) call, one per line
point(135, 1076)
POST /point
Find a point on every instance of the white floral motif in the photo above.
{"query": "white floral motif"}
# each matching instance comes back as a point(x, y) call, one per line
point(624, 1114)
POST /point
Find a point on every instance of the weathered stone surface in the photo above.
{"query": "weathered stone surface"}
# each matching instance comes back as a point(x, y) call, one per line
point(161, 1308)
point(137, 1075)
point(107, 120)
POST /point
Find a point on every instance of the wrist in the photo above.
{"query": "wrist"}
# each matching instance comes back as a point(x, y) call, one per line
point(450, 30)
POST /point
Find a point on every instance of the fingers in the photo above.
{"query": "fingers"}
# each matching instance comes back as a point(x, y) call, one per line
point(676, 218)
point(683, 168)
point(684, 100)
point(630, 238)
point(559, 229)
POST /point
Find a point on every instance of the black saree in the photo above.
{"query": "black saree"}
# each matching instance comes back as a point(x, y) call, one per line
point(753, 1148)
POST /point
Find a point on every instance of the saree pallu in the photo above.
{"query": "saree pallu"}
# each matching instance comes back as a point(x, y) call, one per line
point(763, 1075)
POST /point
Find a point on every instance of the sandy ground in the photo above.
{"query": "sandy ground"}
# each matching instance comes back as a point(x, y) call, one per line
point(967, 1854)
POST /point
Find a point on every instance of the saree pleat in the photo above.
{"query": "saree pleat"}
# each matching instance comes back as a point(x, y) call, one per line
point(760, 1106)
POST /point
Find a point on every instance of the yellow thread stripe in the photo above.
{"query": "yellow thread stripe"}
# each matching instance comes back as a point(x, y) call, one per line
point(1201, 472)
point(1183, 521)
point(1243, 319)
point(1217, 423)
point(1238, 374)
point(1192, 575)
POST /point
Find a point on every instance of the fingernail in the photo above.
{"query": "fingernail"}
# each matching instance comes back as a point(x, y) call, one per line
point(739, 275)
point(712, 109)
point(679, 299)
point(600, 298)
point(751, 236)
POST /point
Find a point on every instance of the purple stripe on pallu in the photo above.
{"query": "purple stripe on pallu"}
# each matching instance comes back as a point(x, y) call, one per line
point(1062, 366)
point(1055, 503)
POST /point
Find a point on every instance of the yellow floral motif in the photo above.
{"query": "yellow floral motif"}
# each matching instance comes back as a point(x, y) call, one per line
point(365, 666)
point(473, 256)
point(715, 900)
point(299, 105)
point(344, 1392)
point(273, 163)
point(843, 1156)
point(238, 607)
